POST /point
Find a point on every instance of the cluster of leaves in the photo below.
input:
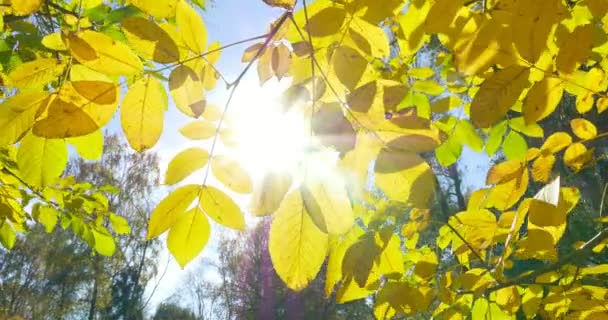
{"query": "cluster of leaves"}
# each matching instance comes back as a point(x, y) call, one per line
point(361, 73)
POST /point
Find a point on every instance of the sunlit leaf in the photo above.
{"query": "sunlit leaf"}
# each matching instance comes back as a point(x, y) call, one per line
point(142, 113)
point(41, 160)
point(297, 247)
point(188, 236)
point(185, 163)
point(170, 208)
point(231, 174)
point(221, 208)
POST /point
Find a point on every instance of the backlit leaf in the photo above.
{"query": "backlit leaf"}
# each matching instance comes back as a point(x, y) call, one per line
point(149, 40)
point(497, 95)
point(584, 129)
point(187, 91)
point(90, 146)
point(35, 74)
point(542, 99)
point(269, 193)
point(170, 209)
point(191, 27)
point(185, 163)
point(297, 247)
point(221, 208)
point(198, 130)
point(188, 236)
point(104, 54)
point(142, 113)
point(231, 174)
point(41, 160)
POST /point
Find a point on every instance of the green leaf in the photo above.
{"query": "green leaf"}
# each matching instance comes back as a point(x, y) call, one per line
point(495, 138)
point(531, 130)
point(429, 87)
point(185, 163)
point(168, 210)
point(466, 134)
point(120, 225)
point(7, 234)
point(104, 244)
point(188, 236)
point(41, 160)
point(515, 146)
point(449, 152)
point(47, 216)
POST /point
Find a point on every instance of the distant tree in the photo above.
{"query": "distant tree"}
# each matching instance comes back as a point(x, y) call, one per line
point(242, 284)
point(171, 311)
point(53, 276)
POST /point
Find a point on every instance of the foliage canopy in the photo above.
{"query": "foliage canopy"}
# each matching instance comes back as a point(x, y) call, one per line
point(396, 84)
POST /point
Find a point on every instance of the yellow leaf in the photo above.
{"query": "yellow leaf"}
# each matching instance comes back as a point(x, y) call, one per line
point(212, 112)
point(332, 128)
point(53, 41)
point(531, 25)
point(369, 38)
point(251, 51)
point(25, 7)
point(429, 87)
point(268, 195)
point(598, 269)
point(531, 130)
point(446, 104)
point(142, 113)
point(149, 40)
point(556, 143)
point(198, 130)
point(221, 208)
point(571, 57)
point(265, 71)
point(504, 172)
point(285, 4)
point(157, 8)
point(89, 147)
point(497, 95)
point(188, 236)
point(577, 156)
point(18, 113)
point(191, 27)
point(35, 74)
point(412, 27)
point(187, 91)
point(41, 160)
point(104, 244)
point(602, 104)
point(541, 169)
point(405, 177)
point(337, 250)
point(349, 66)
point(168, 211)
point(281, 60)
point(421, 73)
point(104, 54)
point(80, 108)
point(327, 203)
point(185, 163)
point(542, 99)
point(531, 300)
point(505, 195)
point(476, 227)
point(231, 174)
point(584, 103)
point(584, 129)
point(297, 247)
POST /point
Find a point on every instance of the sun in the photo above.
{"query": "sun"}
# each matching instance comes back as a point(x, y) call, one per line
point(269, 136)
